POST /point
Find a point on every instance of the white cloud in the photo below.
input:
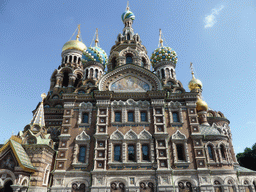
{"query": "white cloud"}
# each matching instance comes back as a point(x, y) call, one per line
point(210, 20)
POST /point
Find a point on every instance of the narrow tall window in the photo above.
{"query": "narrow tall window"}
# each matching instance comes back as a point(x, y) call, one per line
point(162, 73)
point(210, 152)
point(222, 149)
point(113, 61)
point(128, 58)
point(96, 73)
point(130, 116)
point(145, 152)
point(128, 36)
point(117, 153)
point(85, 118)
point(117, 116)
point(82, 151)
point(131, 153)
point(175, 117)
point(180, 152)
point(143, 116)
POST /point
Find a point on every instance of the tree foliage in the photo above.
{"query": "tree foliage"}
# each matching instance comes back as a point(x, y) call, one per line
point(248, 158)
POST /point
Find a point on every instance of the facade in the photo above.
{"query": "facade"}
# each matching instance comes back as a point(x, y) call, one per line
point(124, 128)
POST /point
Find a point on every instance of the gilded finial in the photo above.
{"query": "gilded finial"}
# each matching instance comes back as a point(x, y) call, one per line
point(97, 38)
point(78, 33)
point(160, 38)
point(192, 70)
point(43, 95)
point(127, 7)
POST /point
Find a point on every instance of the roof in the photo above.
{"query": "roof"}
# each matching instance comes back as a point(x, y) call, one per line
point(20, 154)
point(243, 169)
point(209, 130)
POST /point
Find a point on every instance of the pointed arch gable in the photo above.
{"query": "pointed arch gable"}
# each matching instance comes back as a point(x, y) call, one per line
point(129, 50)
point(139, 78)
point(178, 136)
point(83, 137)
point(130, 135)
point(145, 135)
point(117, 135)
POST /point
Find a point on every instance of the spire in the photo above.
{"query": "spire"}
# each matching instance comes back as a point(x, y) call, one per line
point(97, 38)
point(78, 33)
point(160, 38)
point(192, 70)
point(38, 118)
point(127, 7)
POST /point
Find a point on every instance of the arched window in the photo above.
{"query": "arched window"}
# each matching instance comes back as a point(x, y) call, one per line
point(46, 175)
point(113, 61)
point(96, 73)
point(254, 184)
point(128, 36)
point(210, 152)
point(119, 39)
point(128, 59)
point(217, 186)
point(47, 106)
point(145, 152)
point(79, 59)
point(175, 117)
point(85, 118)
point(117, 153)
point(86, 73)
point(78, 80)
point(131, 153)
point(180, 152)
point(66, 59)
point(222, 150)
point(167, 73)
point(143, 62)
point(162, 73)
point(172, 73)
point(185, 186)
point(75, 59)
point(82, 153)
point(70, 59)
point(65, 80)
point(91, 73)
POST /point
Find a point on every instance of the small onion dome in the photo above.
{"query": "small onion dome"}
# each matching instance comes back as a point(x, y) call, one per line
point(201, 105)
point(128, 15)
point(195, 84)
point(74, 44)
point(163, 54)
point(95, 54)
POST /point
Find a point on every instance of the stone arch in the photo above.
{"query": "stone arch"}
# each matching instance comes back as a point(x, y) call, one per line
point(129, 50)
point(130, 70)
point(124, 181)
point(8, 172)
point(219, 179)
point(131, 135)
point(26, 180)
point(65, 69)
point(117, 135)
point(192, 181)
point(79, 181)
point(179, 89)
point(229, 178)
point(145, 135)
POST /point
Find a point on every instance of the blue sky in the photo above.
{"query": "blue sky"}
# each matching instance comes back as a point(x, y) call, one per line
point(219, 37)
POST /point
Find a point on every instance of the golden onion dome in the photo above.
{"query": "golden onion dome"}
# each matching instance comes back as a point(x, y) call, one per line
point(195, 84)
point(74, 44)
point(201, 105)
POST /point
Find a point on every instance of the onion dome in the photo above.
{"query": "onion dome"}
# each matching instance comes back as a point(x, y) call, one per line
point(74, 44)
point(194, 83)
point(201, 105)
point(163, 54)
point(95, 54)
point(127, 14)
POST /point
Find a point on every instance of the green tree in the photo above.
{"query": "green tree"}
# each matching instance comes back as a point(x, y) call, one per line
point(248, 158)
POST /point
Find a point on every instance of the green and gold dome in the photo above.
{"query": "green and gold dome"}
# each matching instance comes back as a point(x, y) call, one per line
point(163, 54)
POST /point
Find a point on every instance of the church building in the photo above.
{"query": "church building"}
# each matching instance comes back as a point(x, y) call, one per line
point(122, 123)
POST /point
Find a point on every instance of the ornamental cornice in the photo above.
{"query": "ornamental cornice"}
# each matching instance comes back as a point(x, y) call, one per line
point(93, 63)
point(144, 71)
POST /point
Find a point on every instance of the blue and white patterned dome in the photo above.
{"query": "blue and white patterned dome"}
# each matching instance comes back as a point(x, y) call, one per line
point(163, 54)
point(128, 15)
point(95, 54)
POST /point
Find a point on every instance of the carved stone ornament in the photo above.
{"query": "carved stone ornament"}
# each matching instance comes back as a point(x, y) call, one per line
point(130, 135)
point(174, 105)
point(83, 137)
point(117, 135)
point(130, 102)
point(145, 135)
point(178, 136)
